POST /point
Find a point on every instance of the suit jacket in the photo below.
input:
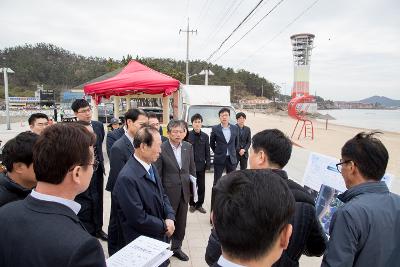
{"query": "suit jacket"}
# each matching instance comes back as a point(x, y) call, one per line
point(120, 153)
point(42, 233)
point(176, 180)
point(142, 205)
point(201, 149)
point(219, 145)
point(244, 139)
point(112, 137)
point(98, 128)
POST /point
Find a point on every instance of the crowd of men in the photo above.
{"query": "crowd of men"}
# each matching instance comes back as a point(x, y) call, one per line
point(51, 194)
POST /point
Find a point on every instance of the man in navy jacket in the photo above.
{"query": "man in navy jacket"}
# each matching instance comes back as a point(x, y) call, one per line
point(142, 206)
point(44, 229)
point(121, 151)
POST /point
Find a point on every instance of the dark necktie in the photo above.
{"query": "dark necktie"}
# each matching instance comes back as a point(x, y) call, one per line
point(151, 172)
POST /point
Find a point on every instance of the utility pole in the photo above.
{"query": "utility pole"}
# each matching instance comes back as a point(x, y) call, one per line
point(5, 71)
point(262, 89)
point(187, 48)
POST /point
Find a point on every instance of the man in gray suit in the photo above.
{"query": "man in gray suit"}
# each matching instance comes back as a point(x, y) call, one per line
point(120, 153)
point(175, 165)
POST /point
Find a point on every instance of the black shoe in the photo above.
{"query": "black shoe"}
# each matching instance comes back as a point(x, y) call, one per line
point(192, 209)
point(201, 209)
point(180, 255)
point(103, 236)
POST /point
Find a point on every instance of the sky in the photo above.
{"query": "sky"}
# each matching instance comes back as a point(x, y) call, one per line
point(356, 47)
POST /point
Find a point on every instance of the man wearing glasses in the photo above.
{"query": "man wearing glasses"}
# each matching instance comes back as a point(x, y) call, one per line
point(365, 231)
point(83, 112)
point(44, 229)
point(175, 165)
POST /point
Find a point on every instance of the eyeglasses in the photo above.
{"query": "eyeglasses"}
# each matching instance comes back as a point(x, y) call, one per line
point(339, 165)
point(88, 110)
point(95, 165)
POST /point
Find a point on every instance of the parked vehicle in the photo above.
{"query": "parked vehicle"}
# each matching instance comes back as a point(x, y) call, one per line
point(206, 100)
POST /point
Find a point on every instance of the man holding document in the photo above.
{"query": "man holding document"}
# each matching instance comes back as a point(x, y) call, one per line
point(142, 206)
point(175, 166)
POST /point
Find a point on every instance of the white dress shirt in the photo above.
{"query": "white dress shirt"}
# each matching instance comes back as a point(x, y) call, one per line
point(225, 263)
point(177, 152)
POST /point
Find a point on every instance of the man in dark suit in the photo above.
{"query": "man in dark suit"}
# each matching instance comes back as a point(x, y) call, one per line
point(120, 153)
point(83, 112)
point(241, 195)
point(244, 140)
point(43, 229)
point(224, 141)
point(142, 206)
point(175, 165)
point(19, 179)
point(201, 149)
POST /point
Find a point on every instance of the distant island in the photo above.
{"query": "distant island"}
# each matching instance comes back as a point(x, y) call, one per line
point(373, 102)
point(382, 100)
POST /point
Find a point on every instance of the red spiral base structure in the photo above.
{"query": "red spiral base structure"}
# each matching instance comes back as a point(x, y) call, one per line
point(298, 108)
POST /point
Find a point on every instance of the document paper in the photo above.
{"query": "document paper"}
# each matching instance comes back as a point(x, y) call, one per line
point(141, 252)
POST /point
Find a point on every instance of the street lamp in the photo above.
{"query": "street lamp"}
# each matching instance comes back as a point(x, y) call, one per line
point(205, 72)
point(5, 71)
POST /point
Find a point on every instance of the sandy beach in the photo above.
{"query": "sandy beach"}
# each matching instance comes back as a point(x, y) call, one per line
point(328, 142)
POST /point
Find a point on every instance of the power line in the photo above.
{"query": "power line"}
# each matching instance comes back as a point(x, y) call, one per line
point(221, 22)
point(202, 13)
point(237, 27)
point(244, 35)
point(281, 31)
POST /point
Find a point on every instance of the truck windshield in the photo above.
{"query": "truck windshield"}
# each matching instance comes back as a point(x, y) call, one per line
point(209, 114)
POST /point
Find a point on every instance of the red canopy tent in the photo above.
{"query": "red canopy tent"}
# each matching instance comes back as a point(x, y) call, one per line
point(135, 78)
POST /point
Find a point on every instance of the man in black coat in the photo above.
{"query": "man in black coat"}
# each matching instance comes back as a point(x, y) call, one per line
point(19, 179)
point(251, 215)
point(244, 140)
point(201, 149)
point(83, 112)
point(272, 149)
point(121, 151)
point(43, 229)
point(142, 206)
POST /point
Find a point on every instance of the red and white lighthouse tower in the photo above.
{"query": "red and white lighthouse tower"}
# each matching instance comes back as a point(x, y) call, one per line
point(302, 103)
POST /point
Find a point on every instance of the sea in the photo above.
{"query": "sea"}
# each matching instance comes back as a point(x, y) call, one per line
point(386, 120)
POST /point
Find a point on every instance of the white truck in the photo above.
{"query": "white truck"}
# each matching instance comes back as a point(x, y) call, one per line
point(206, 100)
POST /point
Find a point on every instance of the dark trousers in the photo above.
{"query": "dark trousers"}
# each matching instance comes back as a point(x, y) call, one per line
point(242, 160)
point(91, 205)
point(180, 207)
point(218, 170)
point(98, 205)
point(113, 241)
point(201, 177)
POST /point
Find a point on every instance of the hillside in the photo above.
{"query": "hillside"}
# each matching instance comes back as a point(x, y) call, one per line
point(59, 69)
point(382, 100)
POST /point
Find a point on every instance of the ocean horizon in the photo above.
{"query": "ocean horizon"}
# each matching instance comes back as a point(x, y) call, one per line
point(374, 119)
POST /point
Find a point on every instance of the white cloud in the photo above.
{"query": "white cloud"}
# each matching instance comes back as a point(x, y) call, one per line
point(356, 51)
